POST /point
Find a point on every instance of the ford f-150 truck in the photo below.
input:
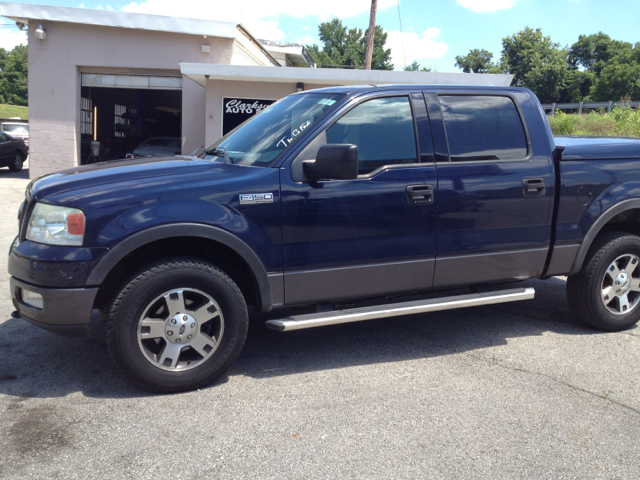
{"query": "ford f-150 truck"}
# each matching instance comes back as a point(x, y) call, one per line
point(328, 198)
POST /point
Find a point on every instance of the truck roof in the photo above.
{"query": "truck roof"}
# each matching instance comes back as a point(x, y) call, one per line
point(359, 89)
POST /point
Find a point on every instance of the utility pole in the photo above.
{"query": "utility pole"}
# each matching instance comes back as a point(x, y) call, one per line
point(372, 31)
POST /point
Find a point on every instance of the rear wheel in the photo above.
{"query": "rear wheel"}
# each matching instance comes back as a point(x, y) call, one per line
point(606, 292)
point(17, 162)
point(177, 325)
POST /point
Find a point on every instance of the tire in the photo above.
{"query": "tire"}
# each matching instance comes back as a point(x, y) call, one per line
point(593, 293)
point(17, 163)
point(167, 347)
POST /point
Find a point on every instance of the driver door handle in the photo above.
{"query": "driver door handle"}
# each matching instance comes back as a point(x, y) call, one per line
point(534, 187)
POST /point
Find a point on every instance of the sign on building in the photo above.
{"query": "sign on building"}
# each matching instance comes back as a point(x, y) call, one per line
point(237, 110)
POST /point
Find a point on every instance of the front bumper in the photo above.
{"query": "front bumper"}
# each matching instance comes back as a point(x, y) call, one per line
point(66, 311)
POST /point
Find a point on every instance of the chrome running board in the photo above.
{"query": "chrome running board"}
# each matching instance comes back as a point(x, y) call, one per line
point(299, 322)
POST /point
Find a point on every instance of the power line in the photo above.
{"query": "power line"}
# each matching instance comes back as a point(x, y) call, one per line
point(404, 58)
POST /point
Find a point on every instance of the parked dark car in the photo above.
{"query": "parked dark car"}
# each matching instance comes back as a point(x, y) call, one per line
point(325, 199)
point(17, 130)
point(13, 152)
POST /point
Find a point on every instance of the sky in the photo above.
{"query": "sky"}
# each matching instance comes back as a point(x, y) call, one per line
point(431, 32)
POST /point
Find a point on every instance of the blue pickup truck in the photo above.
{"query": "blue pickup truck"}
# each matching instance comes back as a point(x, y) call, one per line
point(330, 198)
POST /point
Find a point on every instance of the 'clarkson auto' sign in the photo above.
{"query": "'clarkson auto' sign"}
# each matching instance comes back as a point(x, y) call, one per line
point(237, 110)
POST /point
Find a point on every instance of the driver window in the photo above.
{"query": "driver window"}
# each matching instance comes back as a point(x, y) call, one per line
point(383, 131)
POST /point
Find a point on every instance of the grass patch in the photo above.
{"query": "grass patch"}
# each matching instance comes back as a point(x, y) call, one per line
point(7, 111)
point(621, 122)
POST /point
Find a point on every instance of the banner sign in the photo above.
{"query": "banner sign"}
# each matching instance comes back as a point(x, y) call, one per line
point(237, 110)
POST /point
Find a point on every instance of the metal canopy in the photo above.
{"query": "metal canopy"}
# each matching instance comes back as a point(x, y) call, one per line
point(200, 72)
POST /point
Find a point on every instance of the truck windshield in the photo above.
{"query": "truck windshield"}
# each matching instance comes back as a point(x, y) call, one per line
point(259, 140)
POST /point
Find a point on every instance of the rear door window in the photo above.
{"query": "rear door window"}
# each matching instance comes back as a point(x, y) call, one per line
point(483, 127)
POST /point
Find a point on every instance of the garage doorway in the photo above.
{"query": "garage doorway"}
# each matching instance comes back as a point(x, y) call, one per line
point(129, 116)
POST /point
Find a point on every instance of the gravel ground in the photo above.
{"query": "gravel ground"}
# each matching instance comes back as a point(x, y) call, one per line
point(518, 390)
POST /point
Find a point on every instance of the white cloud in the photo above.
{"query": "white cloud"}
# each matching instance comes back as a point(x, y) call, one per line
point(11, 37)
point(482, 6)
point(259, 16)
point(416, 47)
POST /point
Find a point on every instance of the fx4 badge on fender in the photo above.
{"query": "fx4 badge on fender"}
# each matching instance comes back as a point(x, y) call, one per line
point(253, 198)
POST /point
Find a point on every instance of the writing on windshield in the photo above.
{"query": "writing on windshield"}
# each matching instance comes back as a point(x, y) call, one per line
point(262, 138)
point(294, 133)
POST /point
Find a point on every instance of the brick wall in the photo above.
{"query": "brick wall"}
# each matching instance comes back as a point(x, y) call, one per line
point(52, 147)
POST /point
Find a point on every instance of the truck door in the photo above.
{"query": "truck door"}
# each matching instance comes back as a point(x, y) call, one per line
point(495, 190)
point(374, 234)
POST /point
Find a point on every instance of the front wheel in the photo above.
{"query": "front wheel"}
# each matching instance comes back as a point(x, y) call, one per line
point(178, 325)
point(17, 163)
point(606, 292)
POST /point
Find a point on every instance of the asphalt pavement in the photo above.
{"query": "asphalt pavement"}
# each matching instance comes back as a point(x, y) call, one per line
point(518, 390)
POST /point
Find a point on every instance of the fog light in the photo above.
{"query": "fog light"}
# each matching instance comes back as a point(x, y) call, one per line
point(32, 298)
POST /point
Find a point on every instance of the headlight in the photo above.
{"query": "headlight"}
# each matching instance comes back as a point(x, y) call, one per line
point(55, 225)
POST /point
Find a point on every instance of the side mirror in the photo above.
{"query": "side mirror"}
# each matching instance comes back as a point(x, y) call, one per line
point(333, 162)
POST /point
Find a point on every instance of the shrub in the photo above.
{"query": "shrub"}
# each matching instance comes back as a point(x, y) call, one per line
point(596, 124)
point(627, 121)
point(563, 124)
point(621, 122)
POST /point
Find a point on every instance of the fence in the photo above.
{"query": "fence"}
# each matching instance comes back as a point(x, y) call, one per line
point(582, 105)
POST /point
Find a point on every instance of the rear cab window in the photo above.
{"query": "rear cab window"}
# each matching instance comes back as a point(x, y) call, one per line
point(483, 128)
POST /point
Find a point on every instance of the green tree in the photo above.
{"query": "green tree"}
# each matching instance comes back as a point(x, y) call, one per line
point(619, 79)
point(415, 67)
point(594, 52)
point(538, 64)
point(476, 61)
point(14, 84)
point(579, 86)
point(342, 47)
point(613, 66)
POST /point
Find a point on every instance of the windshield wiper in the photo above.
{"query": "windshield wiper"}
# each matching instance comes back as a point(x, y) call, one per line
point(220, 152)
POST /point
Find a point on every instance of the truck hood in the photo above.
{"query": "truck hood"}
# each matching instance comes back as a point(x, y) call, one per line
point(118, 171)
point(598, 148)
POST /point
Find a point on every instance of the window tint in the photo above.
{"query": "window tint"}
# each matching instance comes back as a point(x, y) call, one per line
point(483, 128)
point(383, 131)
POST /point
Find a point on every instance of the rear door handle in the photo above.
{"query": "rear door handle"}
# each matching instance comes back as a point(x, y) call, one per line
point(419, 194)
point(534, 187)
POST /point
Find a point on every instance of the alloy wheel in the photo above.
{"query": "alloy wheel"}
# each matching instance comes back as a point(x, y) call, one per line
point(180, 329)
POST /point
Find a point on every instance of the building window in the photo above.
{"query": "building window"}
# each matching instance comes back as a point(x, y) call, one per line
point(119, 121)
point(86, 116)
